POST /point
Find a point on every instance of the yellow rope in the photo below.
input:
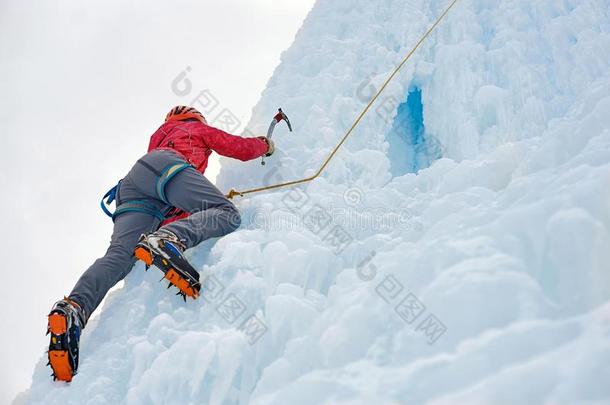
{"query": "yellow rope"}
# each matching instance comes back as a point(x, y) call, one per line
point(234, 192)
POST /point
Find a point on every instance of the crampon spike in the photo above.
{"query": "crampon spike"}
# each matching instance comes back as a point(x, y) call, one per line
point(169, 285)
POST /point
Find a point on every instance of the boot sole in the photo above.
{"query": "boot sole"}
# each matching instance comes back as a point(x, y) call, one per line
point(59, 359)
point(171, 274)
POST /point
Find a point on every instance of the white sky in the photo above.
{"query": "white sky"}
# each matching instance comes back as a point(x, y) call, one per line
point(83, 84)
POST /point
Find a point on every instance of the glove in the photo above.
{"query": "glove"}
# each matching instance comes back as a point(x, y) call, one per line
point(270, 146)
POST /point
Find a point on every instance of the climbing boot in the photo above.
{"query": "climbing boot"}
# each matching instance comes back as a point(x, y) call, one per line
point(164, 250)
point(65, 322)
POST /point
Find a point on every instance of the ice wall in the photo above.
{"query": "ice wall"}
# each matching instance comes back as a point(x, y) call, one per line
point(482, 279)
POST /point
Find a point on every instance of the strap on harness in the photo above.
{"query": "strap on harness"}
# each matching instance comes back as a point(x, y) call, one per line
point(108, 198)
point(166, 175)
point(138, 206)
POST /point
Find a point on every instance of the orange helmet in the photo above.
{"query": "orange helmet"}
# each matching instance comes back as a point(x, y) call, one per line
point(182, 112)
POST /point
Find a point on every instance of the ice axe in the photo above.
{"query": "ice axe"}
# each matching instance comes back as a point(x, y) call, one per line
point(280, 116)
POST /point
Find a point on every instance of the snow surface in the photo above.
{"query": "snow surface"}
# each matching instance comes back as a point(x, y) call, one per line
point(501, 245)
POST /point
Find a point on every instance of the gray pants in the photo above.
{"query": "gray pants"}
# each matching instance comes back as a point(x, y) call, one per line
point(212, 215)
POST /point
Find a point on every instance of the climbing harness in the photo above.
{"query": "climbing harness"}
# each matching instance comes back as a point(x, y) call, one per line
point(280, 116)
point(143, 206)
point(128, 206)
point(232, 193)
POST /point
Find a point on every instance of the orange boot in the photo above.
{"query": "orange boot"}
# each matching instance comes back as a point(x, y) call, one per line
point(65, 325)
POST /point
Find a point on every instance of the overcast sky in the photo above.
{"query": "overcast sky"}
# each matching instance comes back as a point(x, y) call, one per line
point(83, 84)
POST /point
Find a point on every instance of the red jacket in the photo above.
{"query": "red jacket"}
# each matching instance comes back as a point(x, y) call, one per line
point(195, 141)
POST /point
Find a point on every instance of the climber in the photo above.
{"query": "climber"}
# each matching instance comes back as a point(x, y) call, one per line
point(164, 206)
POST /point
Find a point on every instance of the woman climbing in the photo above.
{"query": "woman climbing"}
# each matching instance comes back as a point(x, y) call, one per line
point(165, 205)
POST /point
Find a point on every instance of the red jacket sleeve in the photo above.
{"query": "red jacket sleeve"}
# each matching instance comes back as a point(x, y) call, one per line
point(233, 146)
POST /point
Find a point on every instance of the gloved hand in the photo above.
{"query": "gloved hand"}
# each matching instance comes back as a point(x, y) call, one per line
point(270, 146)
